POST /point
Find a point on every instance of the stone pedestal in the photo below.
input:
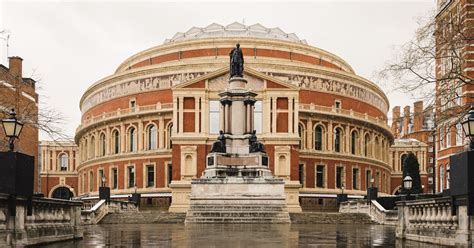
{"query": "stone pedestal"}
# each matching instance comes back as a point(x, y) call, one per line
point(237, 200)
point(237, 186)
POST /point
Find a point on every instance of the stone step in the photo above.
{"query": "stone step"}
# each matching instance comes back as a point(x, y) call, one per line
point(329, 218)
point(144, 218)
point(233, 214)
point(237, 220)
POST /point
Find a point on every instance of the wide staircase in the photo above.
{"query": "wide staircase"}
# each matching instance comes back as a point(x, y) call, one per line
point(144, 217)
point(330, 218)
point(238, 213)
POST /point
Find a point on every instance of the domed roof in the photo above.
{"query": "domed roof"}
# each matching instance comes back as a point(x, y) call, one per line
point(235, 29)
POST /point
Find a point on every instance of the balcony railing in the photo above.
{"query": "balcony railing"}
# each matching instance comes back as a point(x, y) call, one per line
point(344, 112)
point(128, 111)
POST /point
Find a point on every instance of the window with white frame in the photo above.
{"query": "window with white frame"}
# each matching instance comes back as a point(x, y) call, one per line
point(63, 161)
point(258, 117)
point(459, 134)
point(448, 136)
point(214, 116)
point(152, 137)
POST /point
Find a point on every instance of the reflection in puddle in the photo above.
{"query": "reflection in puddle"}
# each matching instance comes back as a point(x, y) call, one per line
point(239, 235)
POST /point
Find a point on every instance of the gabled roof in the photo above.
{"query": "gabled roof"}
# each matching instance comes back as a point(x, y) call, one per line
point(225, 70)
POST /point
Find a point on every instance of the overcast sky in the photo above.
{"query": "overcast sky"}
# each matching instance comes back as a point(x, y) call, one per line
point(72, 45)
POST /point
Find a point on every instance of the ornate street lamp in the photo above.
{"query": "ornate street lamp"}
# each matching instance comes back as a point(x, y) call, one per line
point(407, 183)
point(103, 181)
point(468, 127)
point(372, 180)
point(342, 189)
point(12, 128)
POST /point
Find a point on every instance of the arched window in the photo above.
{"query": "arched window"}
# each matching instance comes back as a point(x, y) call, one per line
point(169, 143)
point(151, 132)
point(337, 139)
point(366, 145)
point(63, 161)
point(62, 193)
point(102, 144)
point(302, 134)
point(132, 140)
point(92, 148)
point(318, 138)
point(354, 142)
point(116, 141)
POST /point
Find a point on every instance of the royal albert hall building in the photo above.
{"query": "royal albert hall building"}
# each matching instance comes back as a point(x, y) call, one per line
point(150, 125)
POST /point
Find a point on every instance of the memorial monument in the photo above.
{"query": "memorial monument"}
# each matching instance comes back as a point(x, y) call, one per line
point(237, 186)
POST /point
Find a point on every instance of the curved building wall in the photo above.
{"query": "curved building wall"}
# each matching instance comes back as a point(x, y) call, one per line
point(148, 124)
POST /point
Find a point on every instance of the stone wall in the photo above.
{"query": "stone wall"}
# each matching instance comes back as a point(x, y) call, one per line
point(51, 220)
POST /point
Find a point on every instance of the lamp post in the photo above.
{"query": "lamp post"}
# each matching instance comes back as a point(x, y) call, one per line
point(341, 197)
point(468, 127)
point(17, 169)
point(407, 184)
point(104, 192)
point(12, 128)
point(136, 196)
point(372, 180)
point(372, 192)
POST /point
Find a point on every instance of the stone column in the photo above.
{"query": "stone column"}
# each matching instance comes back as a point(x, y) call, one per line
point(70, 157)
point(330, 137)
point(347, 142)
point(309, 132)
point(161, 132)
point(274, 114)
point(396, 165)
point(175, 113)
point(290, 115)
point(140, 132)
point(55, 159)
point(122, 137)
point(296, 116)
point(247, 117)
point(266, 116)
point(107, 140)
point(181, 113)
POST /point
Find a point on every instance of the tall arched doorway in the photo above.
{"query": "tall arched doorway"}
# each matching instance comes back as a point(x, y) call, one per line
point(62, 193)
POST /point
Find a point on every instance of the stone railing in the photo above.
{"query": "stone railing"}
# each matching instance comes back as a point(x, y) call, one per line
point(431, 220)
point(52, 220)
point(102, 208)
point(345, 113)
point(376, 212)
point(128, 111)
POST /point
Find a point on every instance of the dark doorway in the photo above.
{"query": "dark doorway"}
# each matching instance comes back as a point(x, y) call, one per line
point(62, 193)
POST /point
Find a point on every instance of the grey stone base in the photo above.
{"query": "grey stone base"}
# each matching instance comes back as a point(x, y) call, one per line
point(237, 200)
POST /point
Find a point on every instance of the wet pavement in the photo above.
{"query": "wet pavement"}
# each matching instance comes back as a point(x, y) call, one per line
point(240, 235)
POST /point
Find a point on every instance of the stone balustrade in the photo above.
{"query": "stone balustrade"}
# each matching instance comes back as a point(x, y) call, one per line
point(376, 211)
point(95, 214)
point(432, 220)
point(51, 220)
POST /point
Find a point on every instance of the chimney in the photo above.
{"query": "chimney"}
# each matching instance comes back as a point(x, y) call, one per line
point(396, 121)
point(15, 66)
point(418, 116)
point(406, 119)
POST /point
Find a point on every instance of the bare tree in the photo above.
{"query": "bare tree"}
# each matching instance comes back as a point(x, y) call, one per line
point(46, 119)
point(430, 67)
